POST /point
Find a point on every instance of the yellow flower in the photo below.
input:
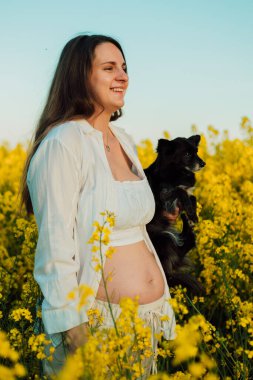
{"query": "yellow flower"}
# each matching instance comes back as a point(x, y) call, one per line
point(84, 292)
point(95, 237)
point(109, 252)
point(17, 314)
point(164, 318)
point(166, 135)
point(111, 220)
point(19, 370)
point(196, 369)
point(98, 267)
point(71, 295)
point(6, 351)
point(94, 248)
point(212, 376)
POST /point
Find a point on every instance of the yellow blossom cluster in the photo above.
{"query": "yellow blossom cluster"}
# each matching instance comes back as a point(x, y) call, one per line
point(15, 338)
point(225, 240)
point(20, 313)
point(189, 336)
point(10, 372)
point(100, 238)
point(37, 344)
point(82, 292)
point(111, 352)
point(179, 302)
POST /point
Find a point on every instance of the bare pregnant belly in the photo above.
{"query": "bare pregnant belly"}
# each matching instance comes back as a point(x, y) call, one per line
point(134, 271)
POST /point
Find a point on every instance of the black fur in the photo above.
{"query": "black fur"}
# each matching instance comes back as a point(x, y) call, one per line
point(171, 177)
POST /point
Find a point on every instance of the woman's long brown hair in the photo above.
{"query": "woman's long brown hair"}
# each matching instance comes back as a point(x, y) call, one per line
point(69, 96)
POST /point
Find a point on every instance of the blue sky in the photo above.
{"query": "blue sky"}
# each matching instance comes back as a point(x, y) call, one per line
point(189, 61)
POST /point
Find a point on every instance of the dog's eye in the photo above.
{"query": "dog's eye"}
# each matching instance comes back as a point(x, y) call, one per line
point(187, 154)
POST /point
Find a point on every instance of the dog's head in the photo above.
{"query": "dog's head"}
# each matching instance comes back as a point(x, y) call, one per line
point(181, 151)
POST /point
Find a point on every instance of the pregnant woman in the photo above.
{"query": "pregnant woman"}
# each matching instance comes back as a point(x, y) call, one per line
point(81, 164)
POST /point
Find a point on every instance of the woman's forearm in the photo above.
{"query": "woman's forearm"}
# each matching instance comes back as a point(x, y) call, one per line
point(76, 336)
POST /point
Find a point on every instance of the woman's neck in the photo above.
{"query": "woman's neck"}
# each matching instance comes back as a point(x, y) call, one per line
point(100, 122)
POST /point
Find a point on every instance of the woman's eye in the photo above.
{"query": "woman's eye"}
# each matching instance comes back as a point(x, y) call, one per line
point(111, 68)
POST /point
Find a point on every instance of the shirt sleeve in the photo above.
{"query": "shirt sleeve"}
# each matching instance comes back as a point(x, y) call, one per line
point(54, 183)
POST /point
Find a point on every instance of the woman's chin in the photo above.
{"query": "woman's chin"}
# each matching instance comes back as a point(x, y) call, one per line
point(121, 104)
point(117, 107)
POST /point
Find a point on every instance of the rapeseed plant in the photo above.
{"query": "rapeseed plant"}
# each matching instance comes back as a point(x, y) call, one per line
point(120, 351)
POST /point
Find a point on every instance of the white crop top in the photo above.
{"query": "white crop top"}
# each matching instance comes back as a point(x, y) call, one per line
point(134, 207)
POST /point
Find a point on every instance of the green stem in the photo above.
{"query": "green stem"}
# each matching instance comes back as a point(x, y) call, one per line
point(104, 282)
point(106, 291)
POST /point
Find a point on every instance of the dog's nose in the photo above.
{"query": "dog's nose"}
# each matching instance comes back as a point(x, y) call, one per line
point(202, 164)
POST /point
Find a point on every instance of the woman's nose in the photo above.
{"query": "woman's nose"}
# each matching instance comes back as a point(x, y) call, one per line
point(122, 75)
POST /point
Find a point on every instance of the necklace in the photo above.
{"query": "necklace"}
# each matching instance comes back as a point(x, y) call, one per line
point(106, 145)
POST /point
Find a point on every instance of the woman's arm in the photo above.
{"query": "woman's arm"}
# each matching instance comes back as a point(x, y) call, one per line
point(54, 184)
point(77, 336)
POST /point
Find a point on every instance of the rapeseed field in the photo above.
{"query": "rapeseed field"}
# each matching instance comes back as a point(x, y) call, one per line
point(214, 331)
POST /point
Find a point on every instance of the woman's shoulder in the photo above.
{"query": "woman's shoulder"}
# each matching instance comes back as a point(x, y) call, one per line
point(63, 142)
point(69, 134)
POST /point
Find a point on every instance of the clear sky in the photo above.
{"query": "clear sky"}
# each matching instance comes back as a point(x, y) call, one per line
point(189, 61)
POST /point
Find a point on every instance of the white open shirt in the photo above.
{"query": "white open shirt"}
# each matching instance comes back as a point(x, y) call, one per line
point(69, 180)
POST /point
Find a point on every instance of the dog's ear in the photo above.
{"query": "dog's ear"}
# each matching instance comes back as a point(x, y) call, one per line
point(195, 139)
point(164, 144)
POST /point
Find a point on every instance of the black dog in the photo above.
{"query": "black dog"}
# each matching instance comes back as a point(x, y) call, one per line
point(171, 178)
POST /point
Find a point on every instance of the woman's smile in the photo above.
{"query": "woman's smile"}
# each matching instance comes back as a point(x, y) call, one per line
point(118, 91)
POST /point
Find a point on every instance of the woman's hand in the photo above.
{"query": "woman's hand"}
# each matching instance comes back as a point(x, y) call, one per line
point(172, 217)
point(76, 337)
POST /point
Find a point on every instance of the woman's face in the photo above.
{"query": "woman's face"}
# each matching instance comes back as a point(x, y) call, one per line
point(108, 79)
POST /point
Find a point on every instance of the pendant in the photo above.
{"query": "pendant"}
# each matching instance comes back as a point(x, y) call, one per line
point(107, 148)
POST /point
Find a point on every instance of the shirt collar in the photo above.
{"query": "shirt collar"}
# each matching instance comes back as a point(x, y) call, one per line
point(88, 129)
